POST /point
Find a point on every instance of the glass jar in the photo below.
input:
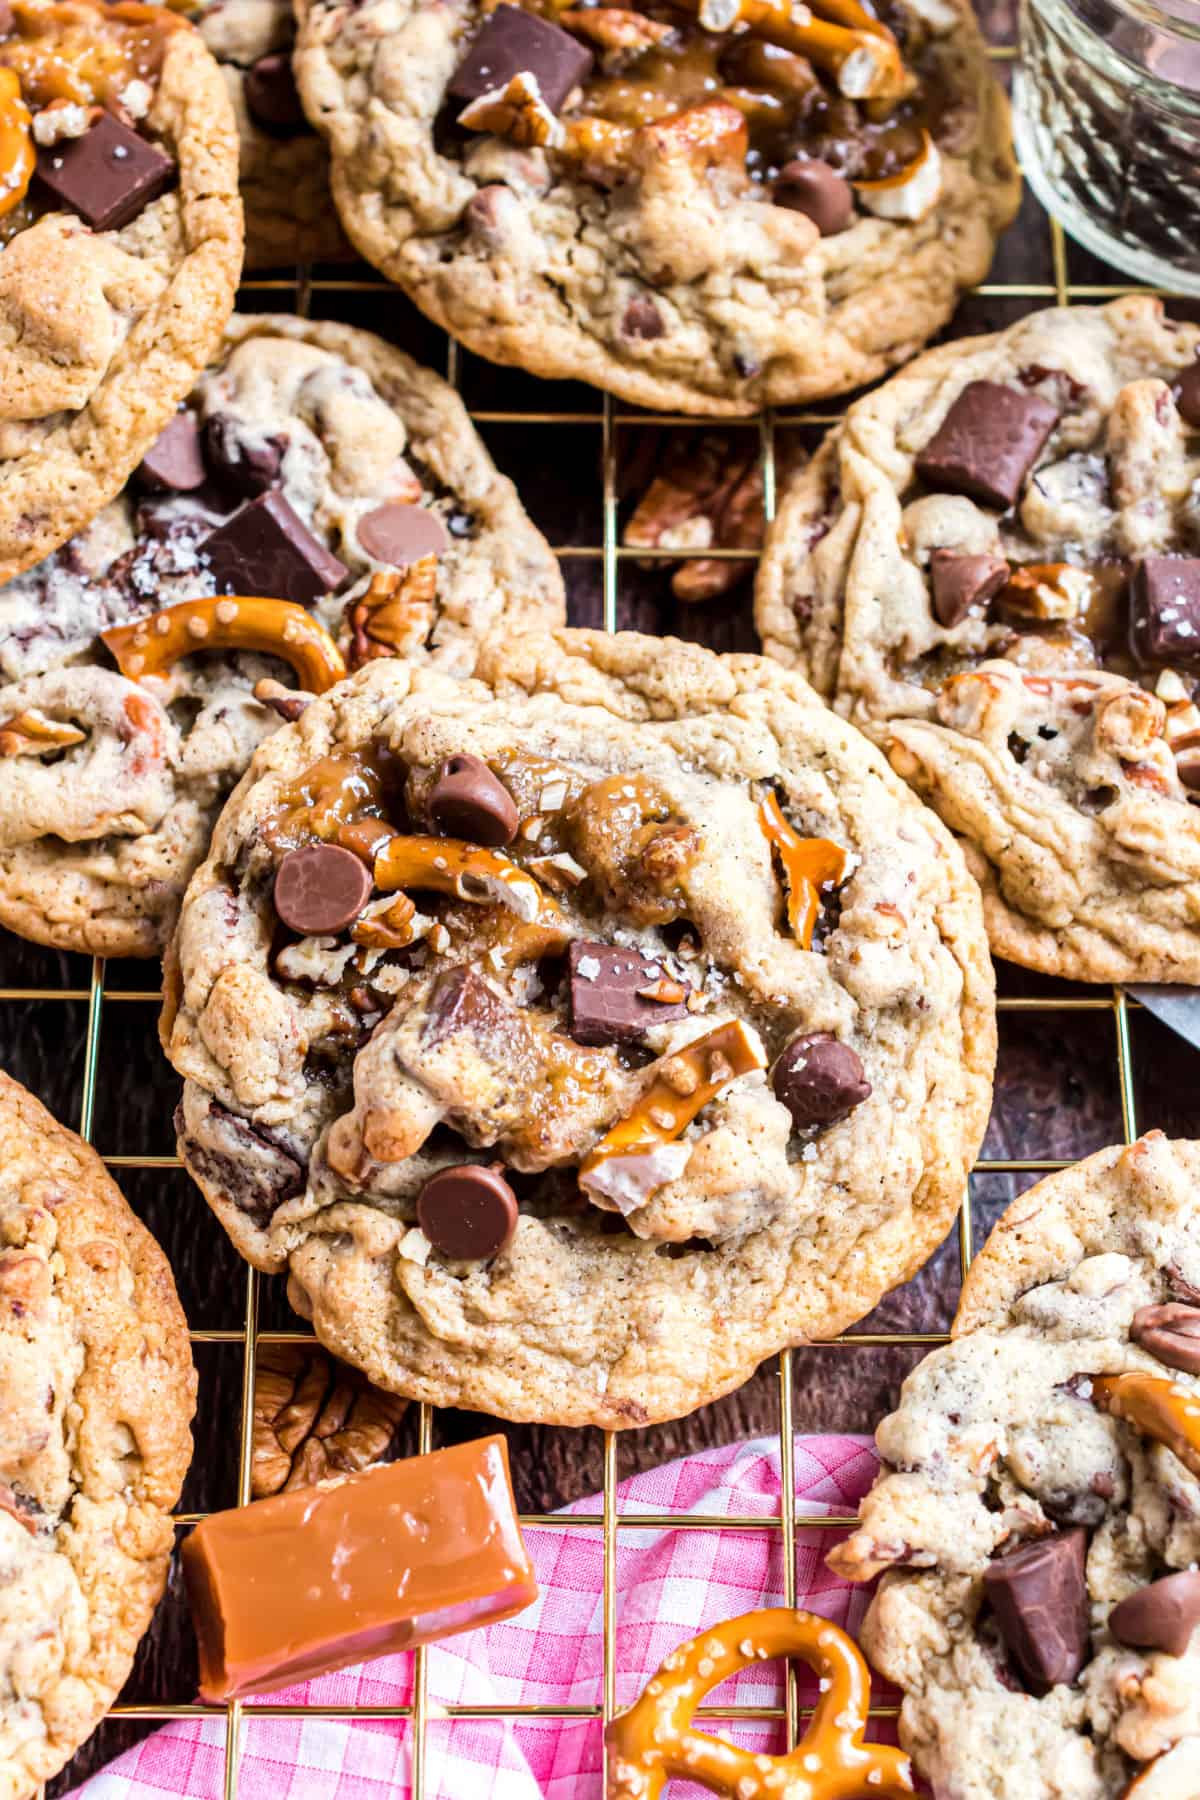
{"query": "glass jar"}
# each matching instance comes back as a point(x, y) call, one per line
point(1107, 124)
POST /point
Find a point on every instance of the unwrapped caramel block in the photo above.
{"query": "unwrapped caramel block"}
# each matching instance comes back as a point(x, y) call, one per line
point(319, 1577)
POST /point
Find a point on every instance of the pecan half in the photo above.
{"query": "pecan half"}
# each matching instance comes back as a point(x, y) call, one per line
point(314, 1418)
point(395, 615)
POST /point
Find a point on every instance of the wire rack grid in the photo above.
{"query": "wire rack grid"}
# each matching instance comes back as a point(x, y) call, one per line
point(299, 289)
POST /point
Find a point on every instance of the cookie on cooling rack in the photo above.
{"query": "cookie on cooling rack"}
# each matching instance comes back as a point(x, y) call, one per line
point(122, 242)
point(99, 1391)
point(578, 1035)
point(290, 215)
point(313, 464)
point(704, 205)
point(1039, 1513)
point(993, 567)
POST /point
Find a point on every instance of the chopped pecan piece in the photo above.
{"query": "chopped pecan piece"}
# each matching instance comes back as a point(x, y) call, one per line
point(314, 1418)
point(516, 112)
point(395, 615)
point(615, 29)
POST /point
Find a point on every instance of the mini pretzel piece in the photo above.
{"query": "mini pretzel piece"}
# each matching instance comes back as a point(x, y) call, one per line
point(808, 863)
point(863, 58)
point(654, 1741)
point(31, 733)
point(17, 155)
point(1156, 1406)
point(232, 622)
point(450, 866)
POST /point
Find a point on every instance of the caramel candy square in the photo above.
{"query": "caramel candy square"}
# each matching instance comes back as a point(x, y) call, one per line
point(316, 1578)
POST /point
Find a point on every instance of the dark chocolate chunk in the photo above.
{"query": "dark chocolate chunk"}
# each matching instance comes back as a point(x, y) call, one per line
point(512, 42)
point(642, 319)
point(399, 534)
point(321, 889)
point(1161, 1616)
point(106, 176)
point(1166, 608)
point(811, 187)
point(606, 1003)
point(987, 443)
point(271, 97)
point(1039, 1596)
point(173, 463)
point(1187, 395)
point(468, 801)
point(266, 548)
point(961, 582)
point(1171, 1333)
point(1181, 1288)
point(468, 1213)
point(462, 1001)
point(237, 464)
point(819, 1079)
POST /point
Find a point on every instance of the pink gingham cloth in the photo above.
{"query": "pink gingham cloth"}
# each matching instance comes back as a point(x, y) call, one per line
point(670, 1584)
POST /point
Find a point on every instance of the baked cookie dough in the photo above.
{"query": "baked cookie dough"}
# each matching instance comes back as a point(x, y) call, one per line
point(99, 1391)
point(290, 215)
point(122, 242)
point(706, 206)
point(1038, 1517)
point(312, 464)
point(576, 1036)
point(993, 567)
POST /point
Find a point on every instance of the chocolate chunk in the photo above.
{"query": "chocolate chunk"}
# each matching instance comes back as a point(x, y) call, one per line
point(266, 548)
point(1166, 608)
point(1181, 1288)
point(399, 534)
point(462, 1001)
point(1039, 1596)
point(106, 176)
point(811, 187)
point(1187, 395)
point(819, 1080)
point(1161, 1616)
point(321, 889)
point(271, 97)
point(512, 42)
point(237, 464)
point(468, 801)
point(987, 443)
point(642, 319)
point(469, 1212)
point(961, 582)
point(1171, 1333)
point(605, 1001)
point(173, 463)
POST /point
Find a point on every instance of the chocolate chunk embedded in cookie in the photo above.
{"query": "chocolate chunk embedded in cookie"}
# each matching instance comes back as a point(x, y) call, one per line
point(523, 1143)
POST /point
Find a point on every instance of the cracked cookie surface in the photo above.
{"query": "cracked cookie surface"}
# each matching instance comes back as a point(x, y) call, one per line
point(120, 257)
point(384, 513)
point(993, 567)
point(678, 1052)
point(1037, 1513)
point(696, 219)
point(99, 1391)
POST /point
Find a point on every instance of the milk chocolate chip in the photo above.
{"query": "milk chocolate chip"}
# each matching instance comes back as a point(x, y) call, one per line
point(811, 187)
point(1166, 608)
point(819, 1080)
point(961, 582)
point(1161, 1616)
point(106, 176)
point(987, 443)
point(611, 994)
point(321, 889)
point(512, 42)
point(468, 801)
point(469, 1213)
point(1039, 1596)
point(400, 534)
point(1170, 1332)
point(271, 97)
point(173, 463)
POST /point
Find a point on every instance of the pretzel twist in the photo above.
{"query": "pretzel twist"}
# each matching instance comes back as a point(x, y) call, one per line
point(17, 155)
point(654, 1741)
point(228, 622)
point(1156, 1406)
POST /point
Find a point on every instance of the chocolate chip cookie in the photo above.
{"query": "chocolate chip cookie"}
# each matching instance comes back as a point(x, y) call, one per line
point(577, 1035)
point(99, 1390)
point(993, 567)
point(319, 501)
point(290, 215)
point(1037, 1517)
point(122, 239)
point(707, 205)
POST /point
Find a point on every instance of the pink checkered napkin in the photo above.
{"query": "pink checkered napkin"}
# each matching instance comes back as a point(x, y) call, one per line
point(670, 1584)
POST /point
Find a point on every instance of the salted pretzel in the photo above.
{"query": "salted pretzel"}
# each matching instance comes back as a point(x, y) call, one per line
point(1157, 1406)
point(17, 155)
point(228, 622)
point(654, 1741)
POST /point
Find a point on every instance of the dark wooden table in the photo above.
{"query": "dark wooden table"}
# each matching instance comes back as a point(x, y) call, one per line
point(1058, 1090)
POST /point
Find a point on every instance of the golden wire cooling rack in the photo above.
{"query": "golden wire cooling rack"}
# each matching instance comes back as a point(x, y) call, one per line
point(1039, 244)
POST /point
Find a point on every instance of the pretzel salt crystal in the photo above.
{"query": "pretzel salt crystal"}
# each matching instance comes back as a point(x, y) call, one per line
point(654, 1742)
point(1156, 1406)
point(808, 863)
point(18, 158)
point(450, 866)
point(863, 58)
point(228, 622)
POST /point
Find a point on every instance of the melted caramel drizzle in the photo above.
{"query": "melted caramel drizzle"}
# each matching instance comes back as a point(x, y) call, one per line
point(808, 863)
point(86, 54)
